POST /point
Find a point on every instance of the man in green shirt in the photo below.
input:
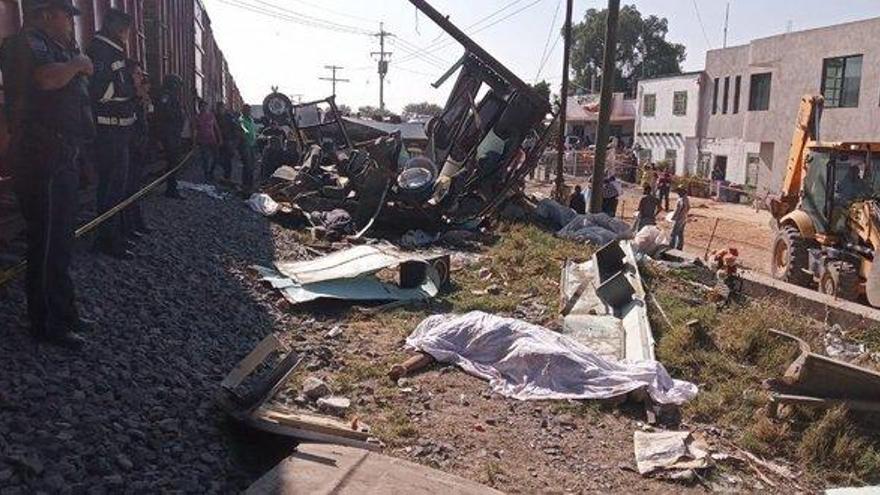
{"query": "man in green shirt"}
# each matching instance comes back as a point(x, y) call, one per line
point(247, 148)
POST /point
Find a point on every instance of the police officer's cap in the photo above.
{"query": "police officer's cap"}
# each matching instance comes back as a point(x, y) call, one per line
point(35, 5)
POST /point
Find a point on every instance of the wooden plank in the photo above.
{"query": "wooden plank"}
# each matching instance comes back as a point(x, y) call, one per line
point(247, 365)
point(308, 421)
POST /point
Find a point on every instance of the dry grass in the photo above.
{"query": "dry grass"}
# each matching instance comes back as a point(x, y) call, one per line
point(525, 263)
point(730, 359)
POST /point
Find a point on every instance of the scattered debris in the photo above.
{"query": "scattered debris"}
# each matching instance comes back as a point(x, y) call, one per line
point(862, 490)
point(336, 406)
point(836, 345)
point(819, 381)
point(331, 469)
point(417, 238)
point(351, 275)
point(314, 388)
point(604, 305)
point(672, 452)
point(208, 189)
point(248, 390)
point(480, 149)
point(333, 224)
point(529, 362)
point(263, 204)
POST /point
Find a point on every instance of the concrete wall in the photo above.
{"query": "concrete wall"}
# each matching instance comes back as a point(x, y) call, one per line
point(666, 131)
point(795, 61)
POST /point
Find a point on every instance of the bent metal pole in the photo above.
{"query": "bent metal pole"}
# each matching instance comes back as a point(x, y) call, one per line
point(10, 274)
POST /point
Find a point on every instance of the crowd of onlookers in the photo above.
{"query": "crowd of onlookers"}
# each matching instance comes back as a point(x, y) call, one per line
point(656, 183)
point(64, 109)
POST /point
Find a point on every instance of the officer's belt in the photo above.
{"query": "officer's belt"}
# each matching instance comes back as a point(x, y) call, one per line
point(123, 122)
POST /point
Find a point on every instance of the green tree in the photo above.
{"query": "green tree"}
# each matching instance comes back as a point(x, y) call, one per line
point(373, 113)
point(423, 108)
point(543, 89)
point(344, 110)
point(642, 49)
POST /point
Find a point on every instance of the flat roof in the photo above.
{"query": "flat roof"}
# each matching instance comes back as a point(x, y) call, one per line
point(673, 76)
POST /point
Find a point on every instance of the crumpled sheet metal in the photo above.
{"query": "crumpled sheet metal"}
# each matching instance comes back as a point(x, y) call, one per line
point(350, 275)
point(529, 362)
point(669, 451)
point(349, 263)
point(622, 333)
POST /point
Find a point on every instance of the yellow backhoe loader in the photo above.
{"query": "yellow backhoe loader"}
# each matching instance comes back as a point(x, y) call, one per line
point(828, 213)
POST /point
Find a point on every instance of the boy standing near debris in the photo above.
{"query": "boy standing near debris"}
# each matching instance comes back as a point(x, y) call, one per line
point(577, 202)
point(649, 205)
point(679, 219)
point(664, 184)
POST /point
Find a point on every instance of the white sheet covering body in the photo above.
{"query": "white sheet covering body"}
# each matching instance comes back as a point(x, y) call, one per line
point(529, 362)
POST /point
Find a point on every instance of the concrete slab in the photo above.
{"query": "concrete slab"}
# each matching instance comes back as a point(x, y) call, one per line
point(332, 469)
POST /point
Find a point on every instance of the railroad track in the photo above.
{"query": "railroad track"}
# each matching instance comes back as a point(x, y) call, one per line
point(8, 272)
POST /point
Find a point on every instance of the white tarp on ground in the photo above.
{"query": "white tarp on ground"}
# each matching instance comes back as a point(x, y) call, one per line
point(530, 362)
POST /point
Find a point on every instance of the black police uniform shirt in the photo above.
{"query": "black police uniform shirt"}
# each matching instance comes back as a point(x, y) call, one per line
point(169, 116)
point(64, 113)
point(112, 86)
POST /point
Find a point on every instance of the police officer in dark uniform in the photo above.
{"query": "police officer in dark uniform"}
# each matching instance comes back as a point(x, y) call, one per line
point(113, 100)
point(55, 121)
point(135, 224)
point(170, 120)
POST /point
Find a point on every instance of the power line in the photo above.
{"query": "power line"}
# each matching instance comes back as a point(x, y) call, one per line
point(414, 55)
point(702, 27)
point(308, 17)
point(336, 12)
point(333, 78)
point(282, 15)
point(547, 43)
point(434, 46)
point(547, 58)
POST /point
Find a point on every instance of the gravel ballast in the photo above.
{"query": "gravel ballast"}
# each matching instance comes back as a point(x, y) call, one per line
point(135, 411)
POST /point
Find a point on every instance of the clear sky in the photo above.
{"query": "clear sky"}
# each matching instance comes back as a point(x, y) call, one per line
point(290, 47)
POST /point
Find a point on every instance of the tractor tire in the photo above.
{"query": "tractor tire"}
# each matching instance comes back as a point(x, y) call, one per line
point(841, 280)
point(791, 257)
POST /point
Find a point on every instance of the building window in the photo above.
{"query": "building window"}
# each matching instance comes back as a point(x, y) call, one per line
point(671, 157)
point(759, 92)
point(726, 94)
point(736, 90)
point(715, 98)
point(753, 162)
point(649, 105)
point(680, 103)
point(841, 79)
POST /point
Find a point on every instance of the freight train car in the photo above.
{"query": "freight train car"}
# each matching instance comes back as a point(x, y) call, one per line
point(169, 37)
point(180, 41)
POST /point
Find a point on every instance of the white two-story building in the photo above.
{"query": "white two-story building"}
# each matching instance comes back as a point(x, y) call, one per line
point(669, 122)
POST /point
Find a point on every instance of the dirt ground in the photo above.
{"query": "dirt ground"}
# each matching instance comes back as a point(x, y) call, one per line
point(446, 419)
point(739, 226)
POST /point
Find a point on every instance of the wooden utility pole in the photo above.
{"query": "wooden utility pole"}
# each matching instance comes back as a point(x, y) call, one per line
point(333, 78)
point(383, 63)
point(605, 102)
point(563, 105)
